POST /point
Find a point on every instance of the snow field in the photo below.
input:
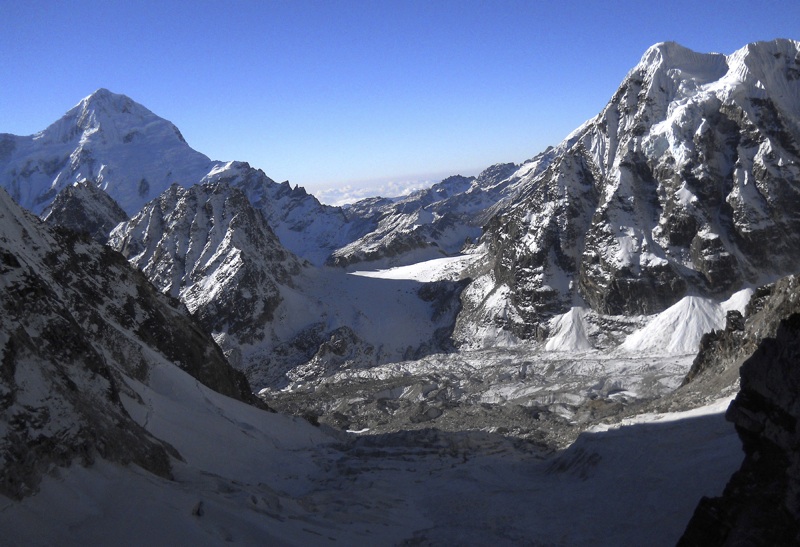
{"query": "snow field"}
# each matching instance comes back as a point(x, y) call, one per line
point(636, 483)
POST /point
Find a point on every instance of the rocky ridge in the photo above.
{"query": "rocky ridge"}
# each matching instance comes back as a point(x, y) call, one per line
point(671, 190)
point(433, 222)
point(84, 208)
point(277, 317)
point(760, 503)
point(306, 227)
point(77, 321)
point(208, 247)
point(722, 352)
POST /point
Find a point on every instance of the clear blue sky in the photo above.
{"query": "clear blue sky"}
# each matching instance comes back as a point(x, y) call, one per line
point(331, 92)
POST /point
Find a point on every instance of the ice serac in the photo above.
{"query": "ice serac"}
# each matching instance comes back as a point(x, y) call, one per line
point(108, 140)
point(686, 184)
point(77, 321)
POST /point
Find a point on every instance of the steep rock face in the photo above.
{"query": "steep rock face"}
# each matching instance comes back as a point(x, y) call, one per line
point(756, 506)
point(208, 247)
point(84, 208)
point(722, 352)
point(687, 181)
point(107, 139)
point(76, 320)
point(303, 225)
point(270, 311)
point(761, 503)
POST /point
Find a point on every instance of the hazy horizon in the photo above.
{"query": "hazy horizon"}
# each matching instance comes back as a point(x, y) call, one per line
point(339, 96)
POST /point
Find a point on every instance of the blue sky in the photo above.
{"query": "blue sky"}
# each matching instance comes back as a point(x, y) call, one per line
point(344, 93)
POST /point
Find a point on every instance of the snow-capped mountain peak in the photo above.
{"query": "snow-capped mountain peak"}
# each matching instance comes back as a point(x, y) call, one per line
point(669, 72)
point(107, 139)
point(773, 71)
point(671, 56)
point(672, 190)
point(118, 118)
point(110, 141)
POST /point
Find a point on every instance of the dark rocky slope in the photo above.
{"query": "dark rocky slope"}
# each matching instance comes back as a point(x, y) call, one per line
point(84, 208)
point(761, 503)
point(75, 321)
point(722, 352)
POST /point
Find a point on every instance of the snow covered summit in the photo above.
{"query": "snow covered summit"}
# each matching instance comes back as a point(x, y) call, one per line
point(112, 142)
point(685, 184)
point(107, 139)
